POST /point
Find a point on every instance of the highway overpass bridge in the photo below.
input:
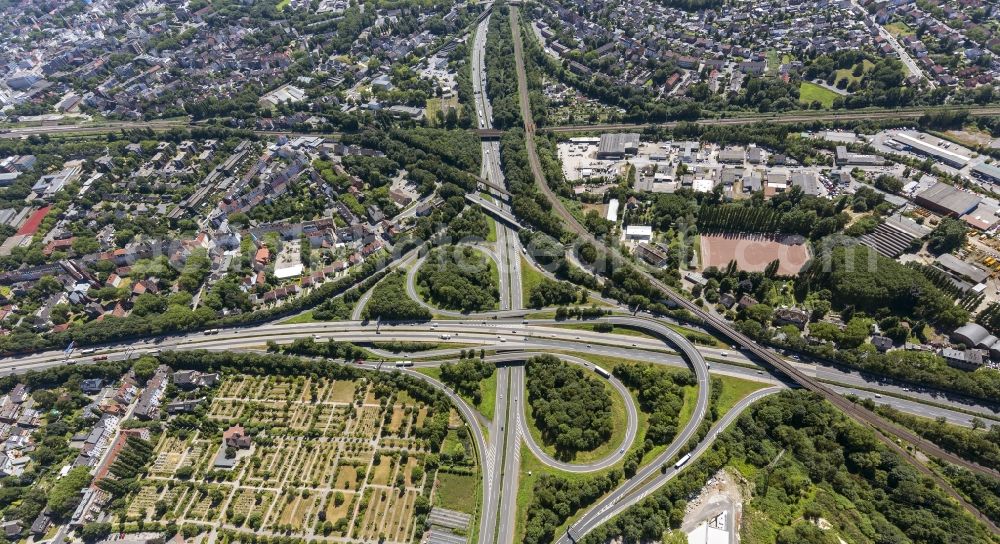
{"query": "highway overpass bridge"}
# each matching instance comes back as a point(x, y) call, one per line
point(494, 210)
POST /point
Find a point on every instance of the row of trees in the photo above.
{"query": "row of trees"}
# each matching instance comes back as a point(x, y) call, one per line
point(571, 409)
point(796, 213)
point(312, 348)
point(128, 467)
point(501, 75)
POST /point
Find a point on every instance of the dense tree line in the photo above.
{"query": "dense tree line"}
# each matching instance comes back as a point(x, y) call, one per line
point(464, 377)
point(557, 498)
point(501, 75)
point(458, 148)
point(549, 292)
point(312, 348)
point(127, 469)
point(528, 203)
point(791, 212)
point(459, 278)
point(977, 445)
point(390, 302)
point(825, 454)
point(65, 493)
point(983, 491)
point(990, 317)
point(571, 409)
point(471, 225)
point(661, 395)
point(864, 279)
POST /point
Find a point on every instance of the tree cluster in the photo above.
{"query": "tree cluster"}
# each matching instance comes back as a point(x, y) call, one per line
point(549, 292)
point(571, 409)
point(556, 499)
point(459, 278)
point(661, 395)
point(389, 301)
point(860, 277)
point(465, 376)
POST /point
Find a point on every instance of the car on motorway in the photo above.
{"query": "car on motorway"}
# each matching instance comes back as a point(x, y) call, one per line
point(100, 358)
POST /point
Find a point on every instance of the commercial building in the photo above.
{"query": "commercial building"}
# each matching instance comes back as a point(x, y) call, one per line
point(960, 269)
point(947, 200)
point(732, 155)
point(987, 172)
point(846, 158)
point(970, 359)
point(930, 150)
point(895, 236)
point(617, 146)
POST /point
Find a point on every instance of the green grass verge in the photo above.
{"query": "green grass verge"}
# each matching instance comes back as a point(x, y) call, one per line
point(304, 317)
point(699, 337)
point(848, 73)
point(624, 331)
point(810, 92)
point(492, 235)
point(530, 277)
point(488, 394)
point(457, 492)
point(734, 390)
point(487, 390)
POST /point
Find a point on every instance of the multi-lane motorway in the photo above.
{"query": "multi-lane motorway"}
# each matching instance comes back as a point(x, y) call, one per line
point(512, 340)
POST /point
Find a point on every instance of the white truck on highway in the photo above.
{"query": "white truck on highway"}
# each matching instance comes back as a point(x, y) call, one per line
point(680, 462)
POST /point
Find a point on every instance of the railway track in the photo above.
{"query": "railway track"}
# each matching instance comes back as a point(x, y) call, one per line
point(886, 432)
point(788, 118)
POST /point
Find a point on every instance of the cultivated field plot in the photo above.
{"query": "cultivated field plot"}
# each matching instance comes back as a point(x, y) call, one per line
point(753, 252)
point(330, 460)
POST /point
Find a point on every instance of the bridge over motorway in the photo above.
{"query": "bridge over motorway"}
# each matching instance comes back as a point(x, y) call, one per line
point(493, 186)
point(494, 210)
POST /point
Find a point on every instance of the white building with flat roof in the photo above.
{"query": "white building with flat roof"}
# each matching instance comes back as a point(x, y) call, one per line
point(642, 233)
point(612, 210)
